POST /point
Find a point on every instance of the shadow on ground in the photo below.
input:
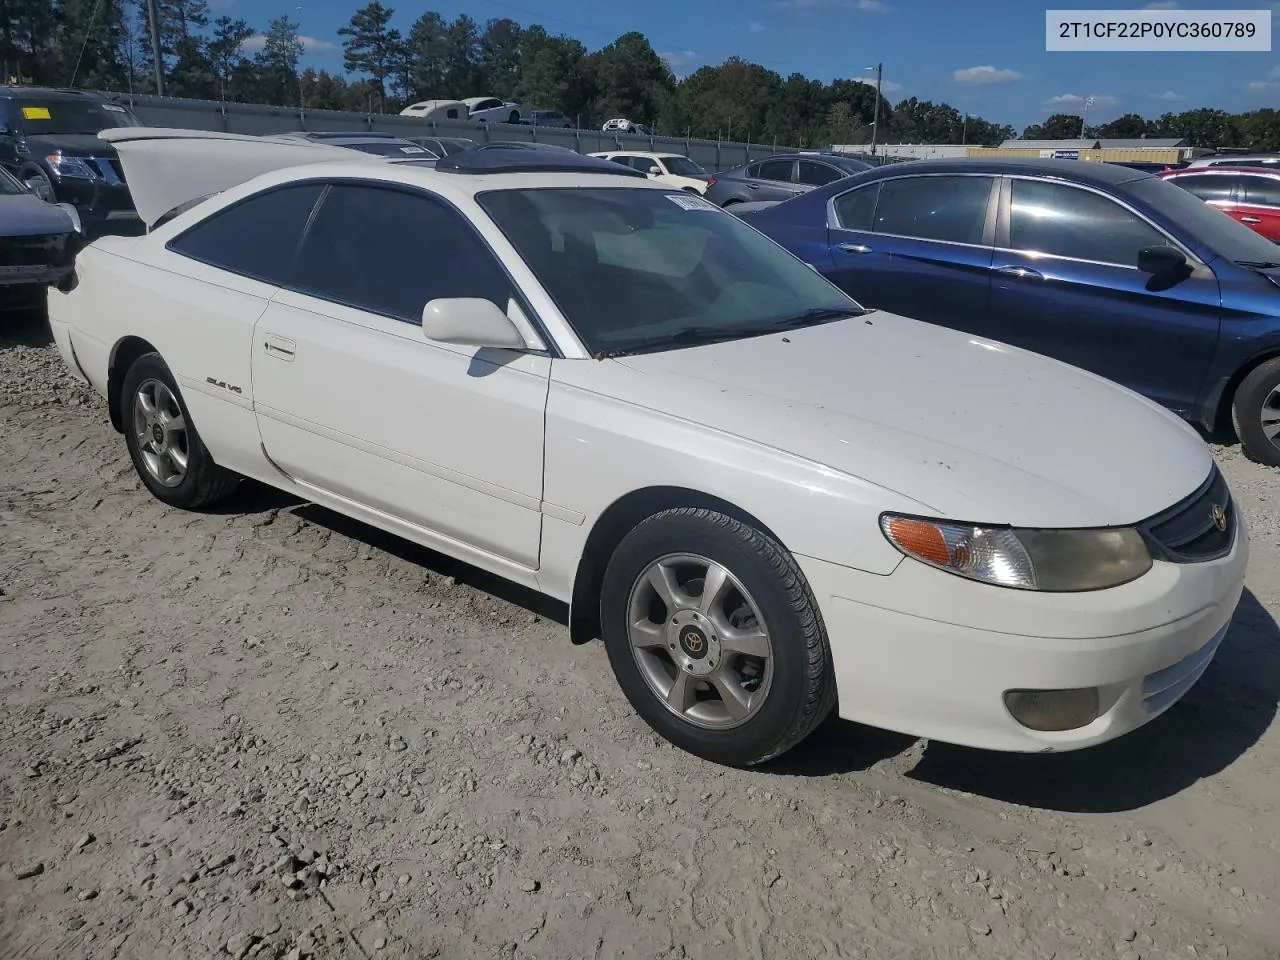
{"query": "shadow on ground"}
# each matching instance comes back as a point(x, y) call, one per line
point(1225, 714)
point(24, 328)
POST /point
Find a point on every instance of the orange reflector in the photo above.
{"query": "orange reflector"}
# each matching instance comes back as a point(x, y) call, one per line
point(922, 539)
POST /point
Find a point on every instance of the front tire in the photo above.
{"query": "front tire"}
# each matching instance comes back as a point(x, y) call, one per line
point(1255, 413)
point(715, 638)
point(514, 117)
point(167, 452)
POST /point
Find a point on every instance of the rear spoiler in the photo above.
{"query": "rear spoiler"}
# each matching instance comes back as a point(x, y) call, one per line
point(166, 168)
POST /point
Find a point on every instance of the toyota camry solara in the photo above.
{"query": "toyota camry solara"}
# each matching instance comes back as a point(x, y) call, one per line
point(769, 502)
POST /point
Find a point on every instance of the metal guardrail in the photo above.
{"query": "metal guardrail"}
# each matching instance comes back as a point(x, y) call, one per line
point(259, 119)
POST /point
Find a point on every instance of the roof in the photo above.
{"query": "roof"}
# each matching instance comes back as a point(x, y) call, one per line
point(1049, 144)
point(1097, 174)
point(530, 161)
point(18, 90)
point(1143, 143)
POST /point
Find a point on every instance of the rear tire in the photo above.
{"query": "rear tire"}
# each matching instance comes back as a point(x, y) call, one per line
point(167, 452)
point(1255, 413)
point(715, 638)
point(514, 117)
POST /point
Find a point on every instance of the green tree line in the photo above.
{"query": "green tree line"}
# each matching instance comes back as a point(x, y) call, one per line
point(106, 45)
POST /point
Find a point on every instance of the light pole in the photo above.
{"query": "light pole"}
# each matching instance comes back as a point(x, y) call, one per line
point(964, 131)
point(1088, 101)
point(875, 113)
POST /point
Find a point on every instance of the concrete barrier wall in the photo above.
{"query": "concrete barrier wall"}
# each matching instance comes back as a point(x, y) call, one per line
point(257, 119)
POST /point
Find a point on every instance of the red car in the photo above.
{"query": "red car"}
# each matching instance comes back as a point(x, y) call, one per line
point(1248, 194)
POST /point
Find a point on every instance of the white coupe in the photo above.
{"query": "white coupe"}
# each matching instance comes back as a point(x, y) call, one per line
point(768, 501)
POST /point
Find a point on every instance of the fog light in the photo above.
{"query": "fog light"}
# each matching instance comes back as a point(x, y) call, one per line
point(1051, 710)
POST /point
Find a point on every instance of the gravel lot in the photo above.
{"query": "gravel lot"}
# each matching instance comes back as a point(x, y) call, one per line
point(270, 731)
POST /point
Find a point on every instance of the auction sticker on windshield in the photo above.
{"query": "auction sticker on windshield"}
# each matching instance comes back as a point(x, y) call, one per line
point(688, 201)
point(36, 113)
point(1157, 30)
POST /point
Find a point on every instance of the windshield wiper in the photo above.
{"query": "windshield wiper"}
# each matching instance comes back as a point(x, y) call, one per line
point(813, 317)
point(690, 336)
point(1259, 264)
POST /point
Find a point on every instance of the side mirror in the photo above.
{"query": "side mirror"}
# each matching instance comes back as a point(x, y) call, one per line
point(76, 223)
point(470, 322)
point(655, 171)
point(1161, 261)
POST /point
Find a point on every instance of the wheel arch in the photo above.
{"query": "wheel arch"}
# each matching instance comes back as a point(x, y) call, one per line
point(1219, 418)
point(123, 355)
point(619, 518)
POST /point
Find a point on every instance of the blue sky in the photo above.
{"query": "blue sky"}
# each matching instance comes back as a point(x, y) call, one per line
point(984, 56)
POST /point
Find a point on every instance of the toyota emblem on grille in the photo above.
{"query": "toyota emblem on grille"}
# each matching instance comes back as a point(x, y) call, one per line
point(1219, 517)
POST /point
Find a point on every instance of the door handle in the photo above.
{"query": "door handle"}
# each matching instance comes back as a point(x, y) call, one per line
point(753, 186)
point(1250, 219)
point(853, 247)
point(1017, 271)
point(279, 347)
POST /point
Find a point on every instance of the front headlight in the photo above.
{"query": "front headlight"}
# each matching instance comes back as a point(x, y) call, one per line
point(1057, 561)
point(70, 168)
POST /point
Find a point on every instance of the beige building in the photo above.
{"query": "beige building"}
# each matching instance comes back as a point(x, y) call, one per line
point(1148, 150)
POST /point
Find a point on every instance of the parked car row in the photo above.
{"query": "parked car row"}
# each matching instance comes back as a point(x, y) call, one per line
point(769, 500)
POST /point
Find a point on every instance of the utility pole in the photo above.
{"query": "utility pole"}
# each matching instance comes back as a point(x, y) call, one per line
point(964, 131)
point(157, 59)
point(875, 114)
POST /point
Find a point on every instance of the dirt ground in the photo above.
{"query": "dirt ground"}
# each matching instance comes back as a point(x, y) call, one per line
point(270, 731)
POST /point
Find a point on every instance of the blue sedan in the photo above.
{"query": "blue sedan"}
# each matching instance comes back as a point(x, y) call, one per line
point(1101, 266)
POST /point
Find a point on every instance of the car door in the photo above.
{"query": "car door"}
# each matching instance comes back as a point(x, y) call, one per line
point(1218, 188)
point(918, 246)
point(354, 402)
point(771, 180)
point(1259, 204)
point(1065, 283)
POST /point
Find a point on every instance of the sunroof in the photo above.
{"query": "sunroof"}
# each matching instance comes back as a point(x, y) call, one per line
point(530, 161)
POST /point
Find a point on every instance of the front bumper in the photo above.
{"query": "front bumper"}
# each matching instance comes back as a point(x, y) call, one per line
point(930, 654)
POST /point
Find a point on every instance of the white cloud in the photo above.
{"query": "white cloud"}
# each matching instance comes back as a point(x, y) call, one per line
point(1264, 86)
point(889, 85)
point(985, 76)
point(309, 44)
point(679, 58)
point(1170, 96)
point(1073, 101)
point(755, 26)
point(872, 6)
point(1163, 5)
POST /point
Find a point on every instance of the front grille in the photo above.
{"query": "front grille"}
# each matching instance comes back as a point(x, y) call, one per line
point(33, 251)
point(1187, 532)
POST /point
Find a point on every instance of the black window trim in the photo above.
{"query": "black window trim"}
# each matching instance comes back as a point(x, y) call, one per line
point(318, 181)
point(989, 219)
point(1006, 214)
point(552, 350)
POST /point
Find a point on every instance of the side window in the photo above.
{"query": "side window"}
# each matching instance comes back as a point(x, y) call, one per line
point(1208, 186)
point(817, 174)
point(390, 252)
point(1262, 191)
point(257, 237)
point(951, 209)
point(752, 171)
point(1064, 221)
point(855, 209)
point(775, 170)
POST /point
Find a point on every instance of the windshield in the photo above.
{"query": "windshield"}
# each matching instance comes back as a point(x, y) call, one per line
point(1203, 223)
point(9, 184)
point(72, 116)
point(637, 269)
point(683, 167)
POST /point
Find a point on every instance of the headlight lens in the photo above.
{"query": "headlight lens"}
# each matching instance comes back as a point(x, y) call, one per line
point(1050, 560)
point(70, 168)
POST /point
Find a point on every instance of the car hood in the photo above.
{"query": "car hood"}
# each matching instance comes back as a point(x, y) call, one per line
point(70, 144)
point(26, 215)
point(973, 429)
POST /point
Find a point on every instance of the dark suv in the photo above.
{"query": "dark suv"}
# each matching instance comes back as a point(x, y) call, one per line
point(49, 141)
